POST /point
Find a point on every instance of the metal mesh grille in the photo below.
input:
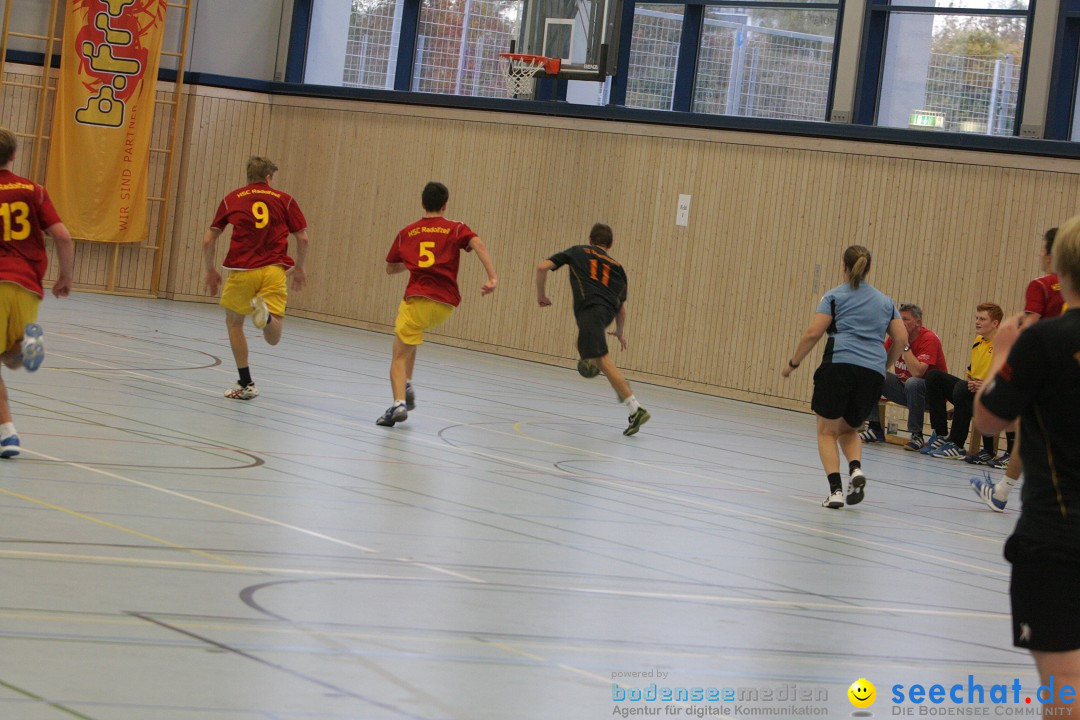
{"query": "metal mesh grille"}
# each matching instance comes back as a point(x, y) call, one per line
point(742, 69)
point(446, 65)
point(372, 46)
point(977, 94)
point(654, 54)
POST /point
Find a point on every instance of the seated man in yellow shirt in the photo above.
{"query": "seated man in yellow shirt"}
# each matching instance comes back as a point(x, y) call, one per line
point(942, 386)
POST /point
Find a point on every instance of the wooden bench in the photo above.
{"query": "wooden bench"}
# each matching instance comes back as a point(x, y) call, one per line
point(884, 406)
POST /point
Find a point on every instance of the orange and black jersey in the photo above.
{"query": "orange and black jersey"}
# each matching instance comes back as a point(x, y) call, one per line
point(595, 277)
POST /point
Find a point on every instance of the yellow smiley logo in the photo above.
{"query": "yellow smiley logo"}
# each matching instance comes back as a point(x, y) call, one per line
point(862, 693)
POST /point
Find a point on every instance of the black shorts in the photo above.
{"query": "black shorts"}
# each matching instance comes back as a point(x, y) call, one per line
point(592, 325)
point(1044, 589)
point(842, 390)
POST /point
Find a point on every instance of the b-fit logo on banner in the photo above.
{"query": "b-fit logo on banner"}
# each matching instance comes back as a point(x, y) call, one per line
point(106, 109)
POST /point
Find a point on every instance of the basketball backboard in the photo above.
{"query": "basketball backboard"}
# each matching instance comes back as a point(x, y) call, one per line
point(575, 31)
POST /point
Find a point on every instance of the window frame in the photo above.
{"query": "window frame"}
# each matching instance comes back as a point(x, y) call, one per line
point(1063, 96)
point(872, 59)
point(690, 45)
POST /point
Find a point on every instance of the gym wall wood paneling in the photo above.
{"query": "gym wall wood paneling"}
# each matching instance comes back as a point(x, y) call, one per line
point(714, 307)
point(19, 112)
point(222, 129)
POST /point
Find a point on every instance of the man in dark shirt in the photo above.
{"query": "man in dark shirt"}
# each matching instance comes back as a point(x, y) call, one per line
point(599, 286)
point(1036, 376)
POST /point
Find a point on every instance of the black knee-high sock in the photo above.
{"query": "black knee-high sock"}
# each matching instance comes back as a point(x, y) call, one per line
point(853, 466)
point(834, 482)
point(1010, 438)
point(245, 377)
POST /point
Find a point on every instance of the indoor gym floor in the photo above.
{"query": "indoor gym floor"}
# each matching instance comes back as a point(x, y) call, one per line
point(167, 554)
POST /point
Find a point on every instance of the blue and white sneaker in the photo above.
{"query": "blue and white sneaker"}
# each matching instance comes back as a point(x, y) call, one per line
point(394, 414)
point(947, 450)
point(916, 443)
point(984, 488)
point(33, 348)
point(9, 446)
point(933, 443)
point(870, 435)
point(980, 458)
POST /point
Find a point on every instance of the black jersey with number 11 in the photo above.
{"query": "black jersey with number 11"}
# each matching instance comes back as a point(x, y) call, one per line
point(595, 277)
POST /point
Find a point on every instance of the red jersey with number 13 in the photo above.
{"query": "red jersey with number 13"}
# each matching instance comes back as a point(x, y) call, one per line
point(431, 248)
point(25, 210)
point(262, 218)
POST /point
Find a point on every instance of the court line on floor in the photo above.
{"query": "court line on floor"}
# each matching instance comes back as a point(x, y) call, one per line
point(207, 503)
point(275, 666)
point(50, 703)
point(213, 567)
point(115, 526)
point(502, 458)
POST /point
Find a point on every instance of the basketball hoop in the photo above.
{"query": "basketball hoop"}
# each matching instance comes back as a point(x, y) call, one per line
point(522, 69)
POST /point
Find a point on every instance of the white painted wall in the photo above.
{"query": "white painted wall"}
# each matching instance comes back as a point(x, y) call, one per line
point(326, 58)
point(240, 38)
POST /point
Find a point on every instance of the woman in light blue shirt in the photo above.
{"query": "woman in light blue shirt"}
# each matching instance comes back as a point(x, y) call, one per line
point(848, 382)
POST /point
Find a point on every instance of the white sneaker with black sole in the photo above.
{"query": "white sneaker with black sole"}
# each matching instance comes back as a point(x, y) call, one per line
point(856, 487)
point(835, 499)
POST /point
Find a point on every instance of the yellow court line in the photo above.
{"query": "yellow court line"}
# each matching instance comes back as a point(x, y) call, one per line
point(505, 647)
point(121, 528)
point(762, 602)
point(210, 567)
point(207, 503)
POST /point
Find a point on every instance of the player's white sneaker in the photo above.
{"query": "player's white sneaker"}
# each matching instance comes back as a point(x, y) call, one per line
point(835, 499)
point(260, 315)
point(241, 392)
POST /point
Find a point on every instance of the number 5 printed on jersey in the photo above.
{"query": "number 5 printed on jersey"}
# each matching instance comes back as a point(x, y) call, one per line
point(427, 258)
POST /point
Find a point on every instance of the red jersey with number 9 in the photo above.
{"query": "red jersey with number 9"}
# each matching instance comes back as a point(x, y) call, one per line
point(262, 218)
point(431, 248)
point(25, 210)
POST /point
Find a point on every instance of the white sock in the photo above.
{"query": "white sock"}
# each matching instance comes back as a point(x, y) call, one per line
point(399, 402)
point(7, 430)
point(1003, 488)
point(632, 404)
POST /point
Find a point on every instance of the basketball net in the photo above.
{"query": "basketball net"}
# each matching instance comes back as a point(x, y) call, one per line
point(521, 75)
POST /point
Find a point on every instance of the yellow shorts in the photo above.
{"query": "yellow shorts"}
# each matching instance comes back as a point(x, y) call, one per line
point(243, 285)
point(18, 308)
point(417, 314)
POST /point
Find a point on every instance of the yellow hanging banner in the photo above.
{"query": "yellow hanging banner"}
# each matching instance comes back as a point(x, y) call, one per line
point(100, 151)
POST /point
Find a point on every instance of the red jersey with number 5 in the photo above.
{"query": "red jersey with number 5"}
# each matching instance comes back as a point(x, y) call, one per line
point(262, 218)
point(25, 210)
point(431, 248)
